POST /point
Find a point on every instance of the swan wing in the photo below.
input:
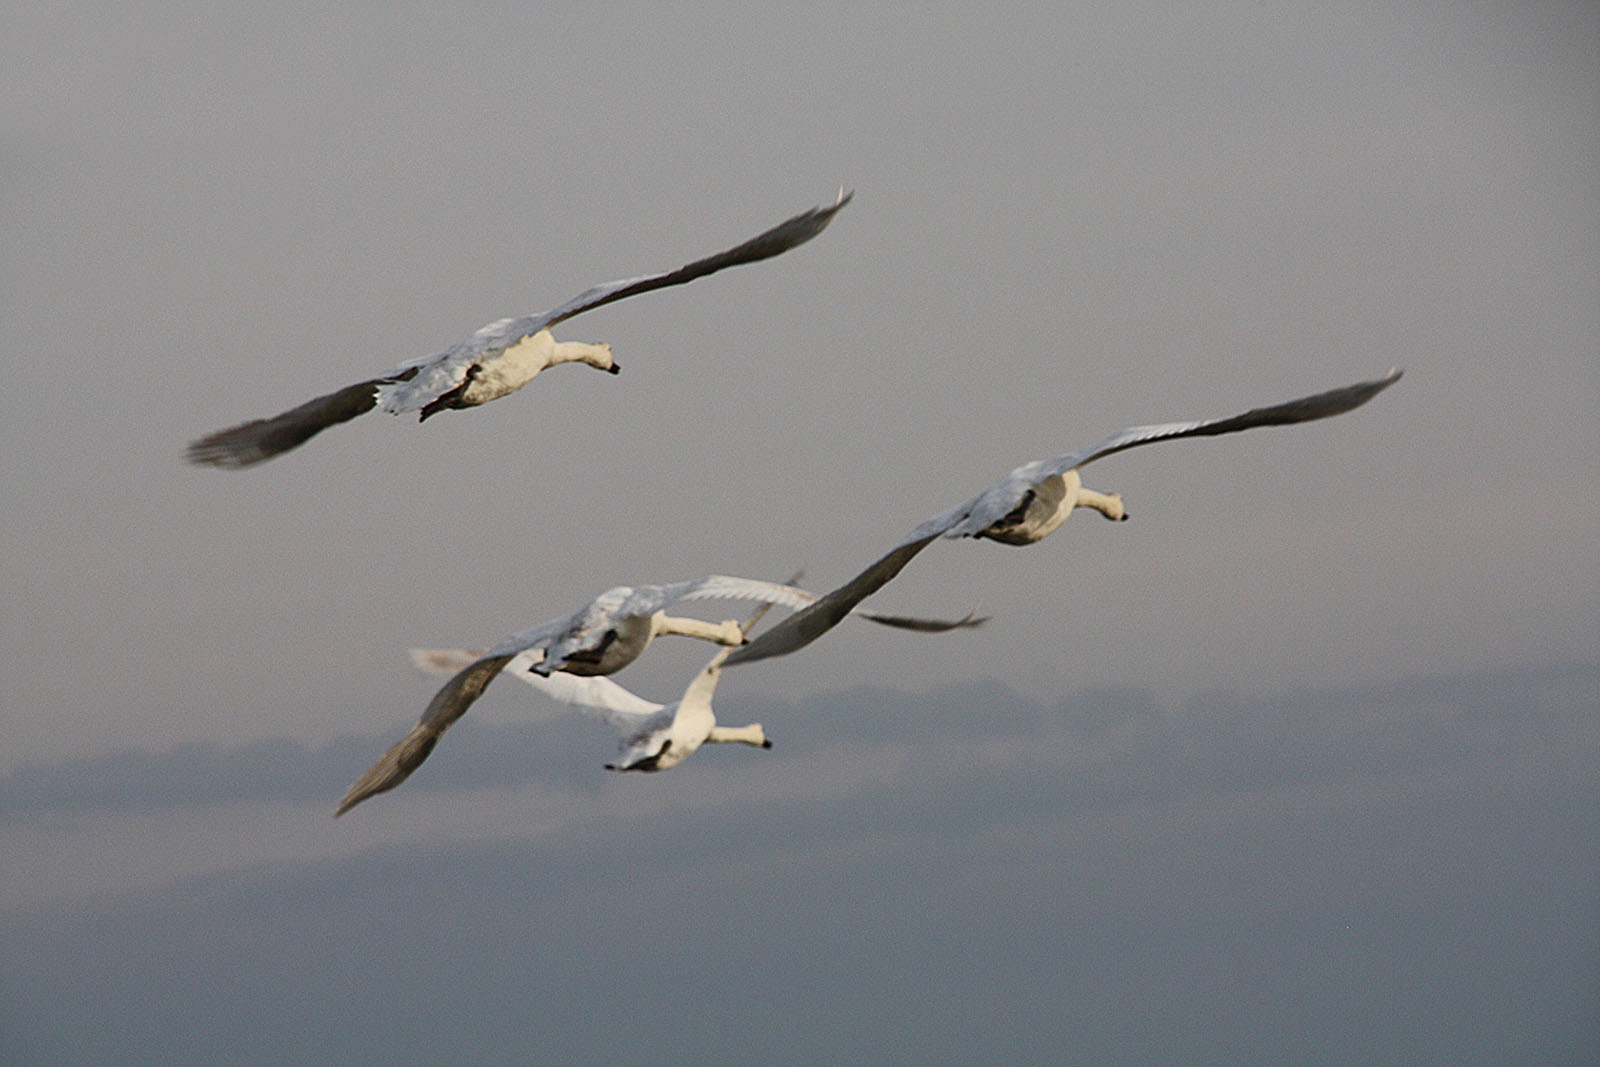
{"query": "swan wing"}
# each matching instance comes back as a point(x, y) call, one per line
point(791, 233)
point(472, 676)
point(597, 694)
point(647, 600)
point(808, 624)
point(260, 439)
point(970, 620)
point(408, 753)
point(650, 599)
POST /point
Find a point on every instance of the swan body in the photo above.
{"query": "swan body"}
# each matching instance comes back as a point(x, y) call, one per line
point(1033, 500)
point(498, 358)
point(602, 637)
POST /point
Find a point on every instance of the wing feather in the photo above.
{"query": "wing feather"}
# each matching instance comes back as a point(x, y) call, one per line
point(408, 753)
point(260, 439)
point(791, 233)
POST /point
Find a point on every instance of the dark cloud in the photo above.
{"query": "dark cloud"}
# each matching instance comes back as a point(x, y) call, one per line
point(1356, 874)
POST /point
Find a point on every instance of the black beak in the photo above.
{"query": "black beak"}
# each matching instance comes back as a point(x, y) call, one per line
point(614, 368)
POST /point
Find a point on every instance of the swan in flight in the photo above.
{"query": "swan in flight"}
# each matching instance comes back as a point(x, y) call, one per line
point(497, 359)
point(1030, 502)
point(600, 638)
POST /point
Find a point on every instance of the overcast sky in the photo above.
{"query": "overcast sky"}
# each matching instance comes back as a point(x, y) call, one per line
point(1068, 219)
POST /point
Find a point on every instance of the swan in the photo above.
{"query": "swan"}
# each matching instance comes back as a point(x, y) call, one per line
point(1031, 501)
point(497, 359)
point(602, 637)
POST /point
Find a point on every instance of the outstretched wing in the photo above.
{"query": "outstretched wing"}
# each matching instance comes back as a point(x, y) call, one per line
point(260, 439)
point(407, 754)
point(805, 626)
point(791, 233)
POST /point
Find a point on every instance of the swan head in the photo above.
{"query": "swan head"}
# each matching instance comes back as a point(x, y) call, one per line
point(597, 354)
point(651, 752)
point(599, 357)
point(584, 652)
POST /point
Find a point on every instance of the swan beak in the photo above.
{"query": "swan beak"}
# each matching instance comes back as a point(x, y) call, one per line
point(766, 744)
point(614, 368)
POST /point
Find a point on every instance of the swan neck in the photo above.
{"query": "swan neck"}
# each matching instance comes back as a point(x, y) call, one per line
point(1107, 504)
point(596, 355)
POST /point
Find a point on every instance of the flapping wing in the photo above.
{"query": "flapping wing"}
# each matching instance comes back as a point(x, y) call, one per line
point(448, 704)
point(407, 754)
point(261, 439)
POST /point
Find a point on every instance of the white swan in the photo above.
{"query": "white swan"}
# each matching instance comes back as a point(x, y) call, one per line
point(497, 359)
point(1030, 502)
point(600, 638)
point(653, 736)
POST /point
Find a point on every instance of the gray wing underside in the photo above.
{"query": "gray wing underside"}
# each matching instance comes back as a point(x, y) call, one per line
point(791, 233)
point(805, 626)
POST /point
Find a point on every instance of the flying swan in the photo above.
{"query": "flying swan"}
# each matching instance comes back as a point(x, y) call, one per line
point(497, 359)
point(1030, 502)
point(653, 736)
point(602, 637)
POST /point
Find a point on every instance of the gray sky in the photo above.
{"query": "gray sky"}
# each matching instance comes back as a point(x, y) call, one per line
point(1068, 219)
